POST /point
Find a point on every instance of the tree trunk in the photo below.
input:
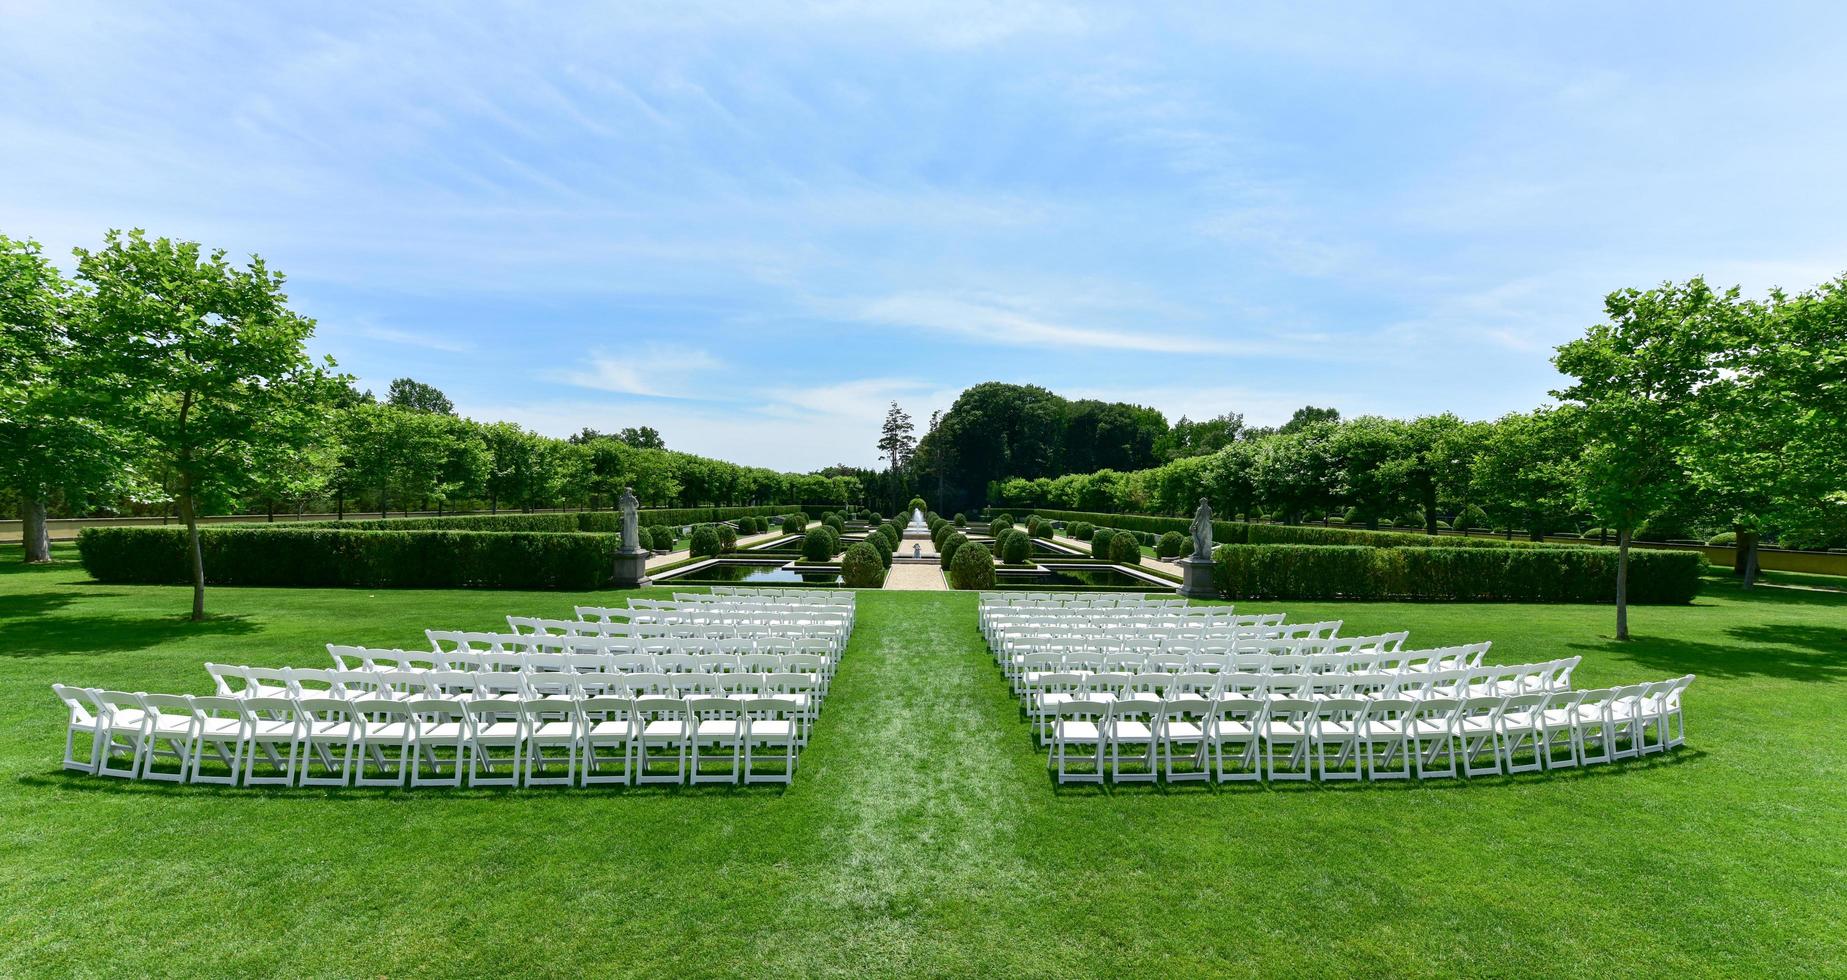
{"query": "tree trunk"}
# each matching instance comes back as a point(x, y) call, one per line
point(272, 510)
point(190, 515)
point(1740, 560)
point(1748, 542)
point(340, 514)
point(1622, 583)
point(1430, 509)
point(35, 533)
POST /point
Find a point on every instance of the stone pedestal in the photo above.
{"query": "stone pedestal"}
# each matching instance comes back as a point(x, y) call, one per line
point(632, 570)
point(1197, 575)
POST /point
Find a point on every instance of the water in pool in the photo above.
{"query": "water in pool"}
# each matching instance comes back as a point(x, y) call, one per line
point(1095, 578)
point(744, 574)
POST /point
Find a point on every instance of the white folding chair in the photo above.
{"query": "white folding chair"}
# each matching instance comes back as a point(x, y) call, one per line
point(125, 724)
point(330, 727)
point(439, 741)
point(496, 737)
point(222, 728)
point(85, 724)
point(771, 723)
point(1236, 726)
point(381, 742)
point(1180, 733)
point(717, 736)
point(172, 731)
point(1286, 725)
point(665, 725)
point(550, 723)
point(1337, 727)
point(1432, 733)
point(1077, 733)
point(606, 722)
point(274, 727)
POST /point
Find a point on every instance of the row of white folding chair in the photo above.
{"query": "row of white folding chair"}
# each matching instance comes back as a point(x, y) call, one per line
point(369, 658)
point(1299, 631)
point(1389, 738)
point(1182, 658)
point(1041, 691)
point(454, 642)
point(1243, 640)
point(245, 682)
point(742, 620)
point(803, 601)
point(1127, 623)
point(606, 739)
point(643, 609)
point(543, 628)
point(1009, 599)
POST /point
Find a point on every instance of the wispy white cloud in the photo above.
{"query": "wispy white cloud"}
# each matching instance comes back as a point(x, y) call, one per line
point(448, 343)
point(993, 322)
point(655, 371)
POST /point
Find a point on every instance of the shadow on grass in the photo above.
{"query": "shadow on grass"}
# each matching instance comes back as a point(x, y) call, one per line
point(28, 630)
point(1797, 653)
point(1682, 756)
point(71, 780)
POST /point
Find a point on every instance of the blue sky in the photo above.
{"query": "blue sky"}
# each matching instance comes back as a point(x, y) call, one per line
point(752, 225)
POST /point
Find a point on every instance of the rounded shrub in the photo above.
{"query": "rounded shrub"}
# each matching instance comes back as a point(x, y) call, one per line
point(872, 517)
point(947, 550)
point(1337, 520)
point(972, 567)
point(727, 537)
point(961, 519)
point(1100, 542)
point(999, 521)
point(1081, 530)
point(1171, 545)
point(1015, 547)
point(861, 568)
point(660, 537)
point(705, 541)
point(1125, 549)
point(1723, 539)
point(818, 544)
point(916, 504)
point(834, 521)
point(794, 523)
point(1593, 533)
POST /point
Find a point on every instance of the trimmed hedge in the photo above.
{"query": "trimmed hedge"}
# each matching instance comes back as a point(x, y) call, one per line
point(860, 567)
point(1125, 549)
point(705, 541)
point(818, 544)
point(341, 557)
point(1100, 540)
point(1235, 532)
point(972, 567)
point(660, 537)
point(947, 550)
point(595, 521)
point(1456, 574)
point(1015, 546)
point(1171, 545)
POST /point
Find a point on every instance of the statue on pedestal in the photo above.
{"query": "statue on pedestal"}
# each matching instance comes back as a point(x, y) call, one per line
point(631, 533)
point(1201, 529)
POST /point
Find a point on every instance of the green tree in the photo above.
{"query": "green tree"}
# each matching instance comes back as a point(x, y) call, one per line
point(418, 397)
point(1636, 377)
point(227, 390)
point(644, 437)
point(1525, 470)
point(1306, 416)
point(57, 441)
point(1189, 438)
point(1769, 439)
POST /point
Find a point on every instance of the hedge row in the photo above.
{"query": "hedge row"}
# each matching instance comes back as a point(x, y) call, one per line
point(322, 557)
point(1238, 532)
point(595, 521)
point(1459, 574)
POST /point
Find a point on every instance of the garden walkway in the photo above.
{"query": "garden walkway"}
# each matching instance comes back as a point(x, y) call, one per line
point(916, 577)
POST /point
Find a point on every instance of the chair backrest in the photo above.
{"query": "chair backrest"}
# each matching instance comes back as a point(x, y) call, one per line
point(82, 705)
point(273, 709)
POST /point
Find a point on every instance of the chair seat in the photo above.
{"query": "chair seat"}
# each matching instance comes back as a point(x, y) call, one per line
point(447, 731)
point(270, 729)
point(719, 728)
point(772, 729)
point(1131, 731)
point(557, 731)
point(1182, 731)
point(610, 729)
point(390, 731)
point(1076, 731)
point(664, 729)
point(221, 728)
point(499, 731)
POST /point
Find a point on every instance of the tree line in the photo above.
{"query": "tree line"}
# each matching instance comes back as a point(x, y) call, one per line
point(161, 374)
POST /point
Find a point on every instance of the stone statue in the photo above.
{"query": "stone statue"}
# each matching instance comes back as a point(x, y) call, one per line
point(1201, 529)
point(631, 536)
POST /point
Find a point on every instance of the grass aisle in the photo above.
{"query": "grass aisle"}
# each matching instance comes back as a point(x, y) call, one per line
point(922, 835)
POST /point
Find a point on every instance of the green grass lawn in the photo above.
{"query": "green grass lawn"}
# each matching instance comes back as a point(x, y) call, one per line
point(922, 835)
